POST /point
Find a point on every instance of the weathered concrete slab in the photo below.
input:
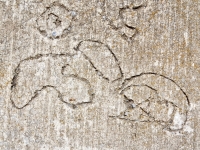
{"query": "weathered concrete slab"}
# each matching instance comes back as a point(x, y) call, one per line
point(100, 74)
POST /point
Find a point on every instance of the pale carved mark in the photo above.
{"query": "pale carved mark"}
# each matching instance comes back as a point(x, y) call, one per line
point(151, 97)
point(66, 69)
point(101, 58)
point(55, 71)
point(55, 22)
point(35, 74)
point(126, 24)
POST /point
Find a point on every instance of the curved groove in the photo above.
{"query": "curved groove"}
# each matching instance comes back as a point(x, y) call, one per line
point(36, 92)
point(130, 27)
point(116, 59)
point(90, 91)
point(139, 6)
point(145, 85)
point(77, 48)
point(65, 30)
point(17, 69)
point(166, 124)
point(64, 67)
point(152, 73)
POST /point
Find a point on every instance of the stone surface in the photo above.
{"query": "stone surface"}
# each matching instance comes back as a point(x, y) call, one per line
point(101, 74)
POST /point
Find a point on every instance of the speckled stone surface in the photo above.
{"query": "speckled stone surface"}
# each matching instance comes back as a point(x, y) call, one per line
point(99, 75)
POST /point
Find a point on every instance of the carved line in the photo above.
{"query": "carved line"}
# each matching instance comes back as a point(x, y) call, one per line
point(17, 71)
point(36, 93)
point(63, 68)
point(77, 48)
point(124, 36)
point(127, 101)
point(152, 73)
point(145, 85)
point(65, 31)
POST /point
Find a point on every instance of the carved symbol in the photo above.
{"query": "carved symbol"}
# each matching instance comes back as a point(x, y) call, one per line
point(65, 81)
point(55, 21)
point(149, 97)
point(147, 100)
point(126, 23)
point(33, 76)
point(101, 58)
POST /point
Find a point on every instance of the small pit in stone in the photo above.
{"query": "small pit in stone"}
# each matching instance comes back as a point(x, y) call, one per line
point(72, 99)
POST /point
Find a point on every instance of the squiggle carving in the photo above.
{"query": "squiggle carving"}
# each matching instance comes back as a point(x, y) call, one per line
point(53, 24)
point(106, 63)
point(147, 100)
point(32, 76)
point(127, 29)
point(149, 97)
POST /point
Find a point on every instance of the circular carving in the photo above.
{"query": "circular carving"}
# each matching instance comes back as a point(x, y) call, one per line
point(55, 21)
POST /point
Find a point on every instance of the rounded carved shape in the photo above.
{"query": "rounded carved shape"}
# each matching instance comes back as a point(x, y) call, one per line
point(150, 97)
point(101, 58)
point(55, 71)
point(55, 21)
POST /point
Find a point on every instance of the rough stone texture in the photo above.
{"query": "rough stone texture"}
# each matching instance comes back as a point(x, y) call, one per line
point(100, 74)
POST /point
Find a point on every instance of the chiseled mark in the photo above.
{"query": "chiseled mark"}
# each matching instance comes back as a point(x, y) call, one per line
point(130, 31)
point(156, 74)
point(135, 7)
point(56, 21)
point(38, 56)
point(75, 84)
point(68, 70)
point(145, 103)
point(69, 102)
point(69, 78)
point(127, 31)
point(102, 59)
